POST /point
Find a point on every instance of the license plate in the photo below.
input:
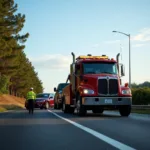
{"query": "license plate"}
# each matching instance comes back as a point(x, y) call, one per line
point(108, 101)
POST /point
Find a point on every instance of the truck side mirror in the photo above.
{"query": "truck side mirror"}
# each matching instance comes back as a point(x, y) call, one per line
point(122, 70)
point(55, 89)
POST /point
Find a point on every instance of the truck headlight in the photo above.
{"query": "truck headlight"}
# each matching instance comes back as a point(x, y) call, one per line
point(126, 91)
point(88, 91)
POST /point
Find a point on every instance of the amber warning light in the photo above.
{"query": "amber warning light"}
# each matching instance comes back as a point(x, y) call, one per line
point(92, 57)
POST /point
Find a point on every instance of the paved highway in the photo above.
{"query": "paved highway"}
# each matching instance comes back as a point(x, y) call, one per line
point(54, 130)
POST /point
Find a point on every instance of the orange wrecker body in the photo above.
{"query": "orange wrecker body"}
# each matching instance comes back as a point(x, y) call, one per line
point(95, 84)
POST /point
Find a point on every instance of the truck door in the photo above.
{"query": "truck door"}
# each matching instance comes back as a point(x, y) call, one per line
point(78, 73)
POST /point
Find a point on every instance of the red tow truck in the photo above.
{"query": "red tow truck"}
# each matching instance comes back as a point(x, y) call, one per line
point(95, 84)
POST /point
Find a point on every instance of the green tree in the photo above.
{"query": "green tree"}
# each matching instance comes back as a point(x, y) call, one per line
point(10, 40)
point(14, 65)
point(25, 77)
point(3, 84)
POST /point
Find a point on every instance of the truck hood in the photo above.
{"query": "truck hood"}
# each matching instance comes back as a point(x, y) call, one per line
point(100, 75)
point(92, 79)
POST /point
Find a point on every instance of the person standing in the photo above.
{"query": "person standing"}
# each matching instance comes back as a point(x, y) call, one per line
point(31, 96)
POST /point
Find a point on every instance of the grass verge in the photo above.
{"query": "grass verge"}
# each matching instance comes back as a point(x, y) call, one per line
point(4, 108)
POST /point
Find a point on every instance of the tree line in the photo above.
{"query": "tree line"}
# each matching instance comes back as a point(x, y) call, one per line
point(141, 93)
point(17, 73)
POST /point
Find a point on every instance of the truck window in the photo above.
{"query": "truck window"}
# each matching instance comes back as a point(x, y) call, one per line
point(101, 67)
point(78, 70)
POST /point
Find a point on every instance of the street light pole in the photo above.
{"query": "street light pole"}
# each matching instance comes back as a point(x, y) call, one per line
point(129, 63)
point(129, 56)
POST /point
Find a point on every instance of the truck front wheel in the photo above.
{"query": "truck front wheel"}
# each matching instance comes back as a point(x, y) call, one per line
point(71, 110)
point(65, 107)
point(125, 110)
point(81, 111)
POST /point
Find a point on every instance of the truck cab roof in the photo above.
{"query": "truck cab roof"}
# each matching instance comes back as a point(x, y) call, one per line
point(102, 58)
point(96, 60)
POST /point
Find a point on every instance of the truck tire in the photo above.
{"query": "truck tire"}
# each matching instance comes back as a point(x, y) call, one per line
point(125, 110)
point(71, 110)
point(81, 111)
point(96, 110)
point(65, 108)
point(58, 106)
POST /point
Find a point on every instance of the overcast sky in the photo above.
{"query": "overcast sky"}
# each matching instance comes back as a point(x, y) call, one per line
point(59, 27)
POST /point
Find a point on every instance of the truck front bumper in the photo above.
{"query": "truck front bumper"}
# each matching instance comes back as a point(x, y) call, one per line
point(106, 101)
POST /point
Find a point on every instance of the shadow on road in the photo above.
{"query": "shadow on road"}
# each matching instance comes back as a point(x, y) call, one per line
point(24, 114)
point(88, 116)
point(44, 114)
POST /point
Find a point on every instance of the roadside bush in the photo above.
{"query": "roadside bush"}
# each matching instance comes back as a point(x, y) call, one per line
point(141, 96)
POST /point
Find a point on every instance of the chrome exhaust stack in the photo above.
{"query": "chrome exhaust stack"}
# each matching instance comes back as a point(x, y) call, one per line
point(117, 58)
point(73, 55)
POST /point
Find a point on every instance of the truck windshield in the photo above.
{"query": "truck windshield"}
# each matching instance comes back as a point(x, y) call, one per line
point(101, 67)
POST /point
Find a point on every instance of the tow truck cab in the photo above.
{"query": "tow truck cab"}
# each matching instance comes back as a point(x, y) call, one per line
point(95, 84)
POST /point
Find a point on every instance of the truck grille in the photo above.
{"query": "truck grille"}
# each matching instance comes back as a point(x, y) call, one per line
point(102, 86)
point(108, 86)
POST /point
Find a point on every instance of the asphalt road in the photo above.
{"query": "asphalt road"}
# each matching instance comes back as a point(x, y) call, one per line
point(54, 130)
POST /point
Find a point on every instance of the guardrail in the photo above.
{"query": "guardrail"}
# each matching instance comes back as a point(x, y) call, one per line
point(145, 107)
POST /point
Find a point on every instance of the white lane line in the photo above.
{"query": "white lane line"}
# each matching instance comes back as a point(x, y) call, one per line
point(102, 137)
